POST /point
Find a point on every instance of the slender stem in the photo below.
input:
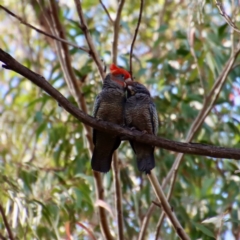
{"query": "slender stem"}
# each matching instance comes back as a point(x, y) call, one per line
point(207, 107)
point(191, 36)
point(10, 234)
point(166, 207)
point(190, 148)
point(105, 9)
point(118, 196)
point(43, 32)
point(145, 224)
point(102, 213)
point(135, 36)
point(160, 221)
point(116, 175)
point(93, 51)
point(228, 20)
point(116, 27)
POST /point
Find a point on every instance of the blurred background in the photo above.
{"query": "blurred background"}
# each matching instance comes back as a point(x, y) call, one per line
point(47, 185)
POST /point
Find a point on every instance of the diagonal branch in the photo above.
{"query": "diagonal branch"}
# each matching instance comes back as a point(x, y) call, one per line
point(226, 17)
point(166, 207)
point(102, 213)
point(10, 234)
point(115, 165)
point(116, 31)
point(135, 36)
point(190, 148)
point(118, 196)
point(93, 51)
point(43, 32)
point(66, 65)
point(76, 92)
point(207, 107)
point(105, 9)
point(191, 35)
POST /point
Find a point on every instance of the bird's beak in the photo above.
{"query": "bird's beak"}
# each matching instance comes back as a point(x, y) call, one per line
point(130, 89)
point(128, 80)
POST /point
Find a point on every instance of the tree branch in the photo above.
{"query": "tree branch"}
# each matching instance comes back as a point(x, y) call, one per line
point(162, 216)
point(102, 212)
point(44, 33)
point(145, 224)
point(189, 148)
point(65, 61)
point(135, 36)
point(207, 107)
point(105, 9)
point(93, 51)
point(10, 234)
point(226, 17)
point(191, 36)
point(166, 207)
point(118, 196)
point(66, 65)
point(116, 31)
point(115, 167)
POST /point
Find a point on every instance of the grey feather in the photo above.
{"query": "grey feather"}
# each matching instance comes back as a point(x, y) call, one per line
point(108, 106)
point(141, 113)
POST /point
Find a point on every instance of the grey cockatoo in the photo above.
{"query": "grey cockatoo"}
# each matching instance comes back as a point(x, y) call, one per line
point(141, 114)
point(109, 106)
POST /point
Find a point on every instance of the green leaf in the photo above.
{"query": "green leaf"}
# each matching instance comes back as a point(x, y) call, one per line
point(204, 229)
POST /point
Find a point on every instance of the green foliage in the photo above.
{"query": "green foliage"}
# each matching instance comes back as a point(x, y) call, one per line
point(45, 174)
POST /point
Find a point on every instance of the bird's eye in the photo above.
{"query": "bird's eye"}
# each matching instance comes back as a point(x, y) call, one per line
point(122, 76)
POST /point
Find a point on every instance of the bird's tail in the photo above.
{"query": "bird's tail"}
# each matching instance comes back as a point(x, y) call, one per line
point(146, 164)
point(101, 162)
point(145, 157)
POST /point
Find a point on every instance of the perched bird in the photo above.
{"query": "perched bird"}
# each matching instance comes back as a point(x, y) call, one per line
point(109, 106)
point(141, 114)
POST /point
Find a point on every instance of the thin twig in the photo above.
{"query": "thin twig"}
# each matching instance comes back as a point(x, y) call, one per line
point(160, 221)
point(102, 213)
point(118, 196)
point(93, 51)
point(88, 230)
point(105, 9)
point(69, 75)
point(156, 50)
point(190, 148)
point(43, 32)
point(191, 36)
point(145, 223)
point(226, 17)
point(166, 207)
point(66, 65)
point(207, 106)
point(116, 27)
point(135, 36)
point(10, 234)
point(116, 176)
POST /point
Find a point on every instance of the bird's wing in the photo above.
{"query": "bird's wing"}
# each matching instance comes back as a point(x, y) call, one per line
point(154, 117)
point(95, 110)
point(96, 105)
